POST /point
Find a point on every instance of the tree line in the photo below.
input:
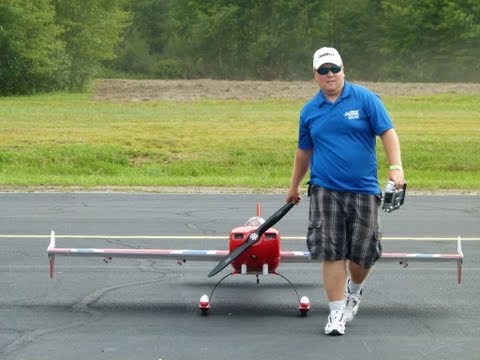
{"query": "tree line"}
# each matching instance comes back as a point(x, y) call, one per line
point(48, 45)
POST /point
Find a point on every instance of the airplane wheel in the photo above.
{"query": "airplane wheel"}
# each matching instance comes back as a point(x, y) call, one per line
point(304, 306)
point(204, 305)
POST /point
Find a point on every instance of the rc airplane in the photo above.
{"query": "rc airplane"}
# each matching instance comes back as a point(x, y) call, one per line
point(254, 249)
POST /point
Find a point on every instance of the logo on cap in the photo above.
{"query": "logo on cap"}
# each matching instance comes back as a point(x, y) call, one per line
point(325, 54)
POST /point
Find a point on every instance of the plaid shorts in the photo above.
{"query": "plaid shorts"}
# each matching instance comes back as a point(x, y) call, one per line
point(344, 226)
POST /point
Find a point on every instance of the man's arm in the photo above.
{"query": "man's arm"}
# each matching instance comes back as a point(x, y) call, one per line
point(301, 164)
point(391, 145)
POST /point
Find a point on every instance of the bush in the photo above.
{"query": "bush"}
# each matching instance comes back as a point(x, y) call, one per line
point(169, 69)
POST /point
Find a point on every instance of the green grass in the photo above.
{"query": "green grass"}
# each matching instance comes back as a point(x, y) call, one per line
point(440, 138)
point(69, 140)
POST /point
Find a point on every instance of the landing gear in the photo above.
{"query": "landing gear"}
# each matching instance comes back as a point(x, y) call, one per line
point(304, 306)
point(303, 302)
point(204, 303)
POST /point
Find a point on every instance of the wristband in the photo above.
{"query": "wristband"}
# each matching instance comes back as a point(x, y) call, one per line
point(395, 167)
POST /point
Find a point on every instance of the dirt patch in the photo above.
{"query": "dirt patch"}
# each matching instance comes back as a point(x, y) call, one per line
point(187, 90)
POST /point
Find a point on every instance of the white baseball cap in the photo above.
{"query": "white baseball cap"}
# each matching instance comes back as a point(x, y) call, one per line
point(326, 55)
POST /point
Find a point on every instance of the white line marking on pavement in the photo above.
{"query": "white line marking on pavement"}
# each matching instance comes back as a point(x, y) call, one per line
point(208, 237)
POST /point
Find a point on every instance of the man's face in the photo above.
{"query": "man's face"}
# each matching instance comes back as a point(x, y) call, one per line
point(332, 81)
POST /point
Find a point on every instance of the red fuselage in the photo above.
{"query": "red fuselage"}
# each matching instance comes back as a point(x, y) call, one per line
point(264, 251)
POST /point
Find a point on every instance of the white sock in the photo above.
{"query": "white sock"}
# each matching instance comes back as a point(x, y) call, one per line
point(337, 305)
point(354, 288)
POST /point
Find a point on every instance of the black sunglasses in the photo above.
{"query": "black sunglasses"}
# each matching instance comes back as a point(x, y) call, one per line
point(325, 70)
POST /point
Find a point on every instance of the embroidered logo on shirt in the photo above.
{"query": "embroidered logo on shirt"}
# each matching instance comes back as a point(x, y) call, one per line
point(352, 114)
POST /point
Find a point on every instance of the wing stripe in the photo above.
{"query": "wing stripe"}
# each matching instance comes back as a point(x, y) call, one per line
point(205, 255)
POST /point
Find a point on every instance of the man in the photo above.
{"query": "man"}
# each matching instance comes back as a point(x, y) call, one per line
point(337, 134)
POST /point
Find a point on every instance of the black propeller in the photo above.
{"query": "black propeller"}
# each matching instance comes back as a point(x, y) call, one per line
point(252, 238)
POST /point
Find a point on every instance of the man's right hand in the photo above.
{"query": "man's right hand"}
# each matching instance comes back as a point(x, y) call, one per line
point(293, 196)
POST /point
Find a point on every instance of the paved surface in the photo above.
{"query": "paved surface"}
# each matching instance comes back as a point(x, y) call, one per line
point(144, 309)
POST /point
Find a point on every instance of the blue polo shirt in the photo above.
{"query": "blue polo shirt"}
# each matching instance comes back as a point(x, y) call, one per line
point(342, 136)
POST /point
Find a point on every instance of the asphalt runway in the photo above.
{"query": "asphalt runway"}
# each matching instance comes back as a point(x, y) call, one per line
point(148, 309)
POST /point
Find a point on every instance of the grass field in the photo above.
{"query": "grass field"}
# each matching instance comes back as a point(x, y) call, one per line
point(69, 140)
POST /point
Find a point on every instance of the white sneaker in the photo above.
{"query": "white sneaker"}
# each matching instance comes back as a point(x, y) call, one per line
point(352, 301)
point(335, 323)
